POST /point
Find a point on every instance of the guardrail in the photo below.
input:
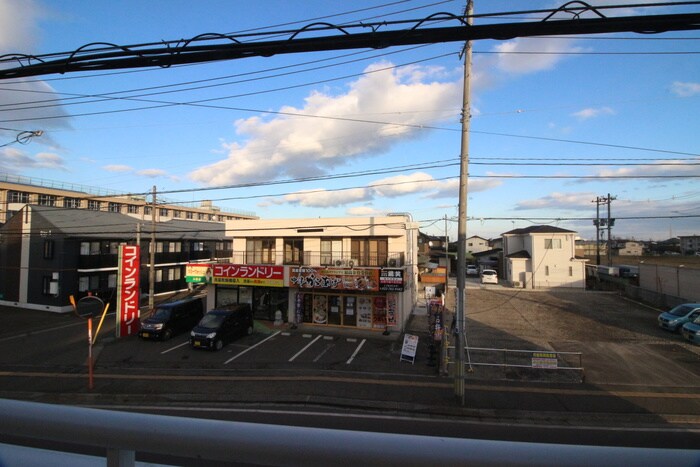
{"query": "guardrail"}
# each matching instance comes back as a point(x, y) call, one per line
point(123, 434)
point(544, 361)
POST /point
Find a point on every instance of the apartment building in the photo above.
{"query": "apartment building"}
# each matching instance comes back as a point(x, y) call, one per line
point(49, 253)
point(342, 272)
point(16, 192)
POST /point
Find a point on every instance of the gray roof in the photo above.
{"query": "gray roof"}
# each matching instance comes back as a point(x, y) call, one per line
point(86, 223)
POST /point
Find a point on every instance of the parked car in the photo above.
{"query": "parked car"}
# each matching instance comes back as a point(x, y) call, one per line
point(221, 326)
point(675, 318)
point(691, 331)
point(169, 319)
point(472, 270)
point(489, 276)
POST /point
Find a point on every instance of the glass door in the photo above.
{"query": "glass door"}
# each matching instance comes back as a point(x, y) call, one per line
point(349, 311)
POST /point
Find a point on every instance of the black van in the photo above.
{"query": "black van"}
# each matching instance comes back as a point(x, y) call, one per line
point(172, 318)
point(221, 326)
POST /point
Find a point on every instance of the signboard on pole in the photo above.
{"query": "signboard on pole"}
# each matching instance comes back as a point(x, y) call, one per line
point(128, 290)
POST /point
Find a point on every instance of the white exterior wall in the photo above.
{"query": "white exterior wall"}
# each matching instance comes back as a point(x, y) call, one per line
point(401, 234)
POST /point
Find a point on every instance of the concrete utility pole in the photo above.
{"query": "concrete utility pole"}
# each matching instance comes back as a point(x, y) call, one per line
point(460, 327)
point(152, 255)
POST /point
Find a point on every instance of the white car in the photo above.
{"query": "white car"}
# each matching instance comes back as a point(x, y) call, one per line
point(489, 276)
point(472, 270)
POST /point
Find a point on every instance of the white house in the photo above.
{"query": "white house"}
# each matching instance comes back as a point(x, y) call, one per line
point(541, 257)
point(476, 244)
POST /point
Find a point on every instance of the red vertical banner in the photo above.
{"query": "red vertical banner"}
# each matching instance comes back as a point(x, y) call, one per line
point(128, 290)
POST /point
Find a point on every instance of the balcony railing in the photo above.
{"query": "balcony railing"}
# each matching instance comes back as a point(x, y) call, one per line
point(317, 259)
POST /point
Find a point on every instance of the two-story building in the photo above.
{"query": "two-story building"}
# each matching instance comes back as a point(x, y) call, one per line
point(48, 254)
point(541, 257)
point(343, 272)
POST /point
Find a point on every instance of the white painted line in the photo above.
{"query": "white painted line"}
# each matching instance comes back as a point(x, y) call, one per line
point(286, 333)
point(354, 354)
point(250, 348)
point(173, 348)
point(351, 339)
point(327, 338)
point(304, 349)
point(306, 336)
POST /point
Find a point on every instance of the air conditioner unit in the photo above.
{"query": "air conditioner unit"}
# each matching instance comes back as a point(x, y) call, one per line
point(351, 263)
point(517, 284)
point(394, 262)
point(339, 263)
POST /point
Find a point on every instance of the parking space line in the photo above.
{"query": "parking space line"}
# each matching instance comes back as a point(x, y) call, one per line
point(306, 347)
point(173, 348)
point(354, 354)
point(251, 348)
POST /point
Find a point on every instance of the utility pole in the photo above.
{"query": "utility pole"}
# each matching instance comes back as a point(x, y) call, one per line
point(447, 256)
point(609, 222)
point(460, 325)
point(152, 255)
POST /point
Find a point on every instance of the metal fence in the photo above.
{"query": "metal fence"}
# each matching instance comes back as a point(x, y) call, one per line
point(122, 434)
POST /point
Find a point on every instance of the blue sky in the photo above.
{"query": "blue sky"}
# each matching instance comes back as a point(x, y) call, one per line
point(381, 128)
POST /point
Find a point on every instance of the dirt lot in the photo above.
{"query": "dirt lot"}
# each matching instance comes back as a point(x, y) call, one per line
point(619, 339)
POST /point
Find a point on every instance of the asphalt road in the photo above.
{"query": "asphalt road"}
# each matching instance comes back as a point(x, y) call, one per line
point(639, 379)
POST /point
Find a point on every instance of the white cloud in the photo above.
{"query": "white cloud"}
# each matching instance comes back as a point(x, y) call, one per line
point(332, 132)
point(324, 198)
point(559, 201)
point(685, 89)
point(676, 168)
point(364, 211)
point(118, 168)
point(530, 55)
point(18, 25)
point(152, 173)
point(13, 160)
point(590, 112)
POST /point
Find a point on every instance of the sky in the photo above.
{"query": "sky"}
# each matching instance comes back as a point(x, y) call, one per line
point(555, 122)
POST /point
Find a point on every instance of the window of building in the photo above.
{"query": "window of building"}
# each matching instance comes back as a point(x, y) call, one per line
point(47, 200)
point(83, 283)
point(546, 270)
point(132, 209)
point(293, 251)
point(370, 251)
point(159, 275)
point(71, 203)
point(197, 246)
point(189, 215)
point(113, 248)
point(46, 285)
point(177, 214)
point(112, 281)
point(114, 207)
point(552, 243)
point(331, 251)
point(571, 271)
point(147, 210)
point(163, 212)
point(48, 249)
point(174, 274)
point(201, 216)
point(89, 248)
point(260, 251)
point(18, 197)
point(159, 247)
point(94, 205)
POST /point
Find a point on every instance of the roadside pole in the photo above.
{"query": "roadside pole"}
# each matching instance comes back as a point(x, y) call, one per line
point(462, 221)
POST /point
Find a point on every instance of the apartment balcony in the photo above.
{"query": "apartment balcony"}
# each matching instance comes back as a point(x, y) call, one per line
point(317, 259)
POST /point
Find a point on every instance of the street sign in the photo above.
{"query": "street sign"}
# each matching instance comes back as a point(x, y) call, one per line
point(408, 350)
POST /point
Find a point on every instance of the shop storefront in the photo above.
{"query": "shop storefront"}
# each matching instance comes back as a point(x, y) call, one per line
point(364, 298)
point(261, 286)
point(347, 297)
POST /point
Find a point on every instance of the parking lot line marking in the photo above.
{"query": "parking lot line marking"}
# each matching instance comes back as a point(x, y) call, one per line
point(306, 347)
point(251, 348)
point(354, 354)
point(318, 357)
point(173, 348)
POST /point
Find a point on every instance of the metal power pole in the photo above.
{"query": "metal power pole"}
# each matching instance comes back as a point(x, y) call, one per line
point(152, 255)
point(462, 221)
point(610, 224)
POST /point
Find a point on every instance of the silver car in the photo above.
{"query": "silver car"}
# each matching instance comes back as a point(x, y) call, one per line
point(673, 319)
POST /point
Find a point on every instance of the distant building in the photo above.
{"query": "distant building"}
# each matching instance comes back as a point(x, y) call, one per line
point(542, 256)
point(690, 244)
point(49, 253)
point(17, 192)
point(590, 248)
point(476, 244)
point(627, 248)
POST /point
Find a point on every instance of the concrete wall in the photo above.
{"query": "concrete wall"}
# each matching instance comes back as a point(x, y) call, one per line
point(675, 281)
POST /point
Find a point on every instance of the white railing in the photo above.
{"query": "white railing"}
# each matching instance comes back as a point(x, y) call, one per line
point(122, 434)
